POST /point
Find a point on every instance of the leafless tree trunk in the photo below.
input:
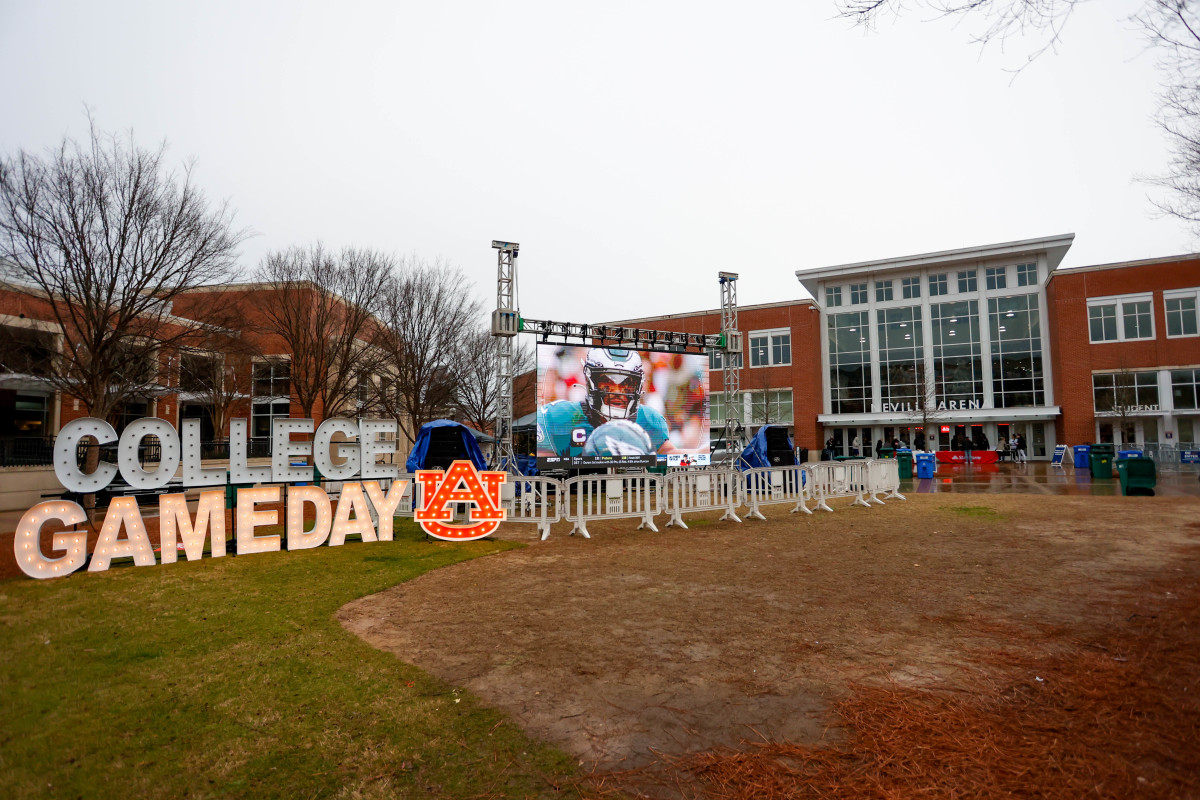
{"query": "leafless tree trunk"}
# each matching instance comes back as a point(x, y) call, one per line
point(111, 238)
point(1172, 28)
point(428, 314)
point(477, 396)
point(323, 307)
point(220, 375)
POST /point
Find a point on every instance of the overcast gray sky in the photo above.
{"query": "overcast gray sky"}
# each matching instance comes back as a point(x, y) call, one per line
point(633, 149)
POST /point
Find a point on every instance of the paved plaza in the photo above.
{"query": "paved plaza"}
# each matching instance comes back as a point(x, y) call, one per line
point(1041, 477)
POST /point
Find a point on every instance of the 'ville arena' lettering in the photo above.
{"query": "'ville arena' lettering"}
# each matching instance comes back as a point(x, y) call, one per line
point(944, 405)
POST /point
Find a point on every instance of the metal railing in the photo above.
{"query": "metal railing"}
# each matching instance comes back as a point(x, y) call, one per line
point(1166, 456)
point(27, 451)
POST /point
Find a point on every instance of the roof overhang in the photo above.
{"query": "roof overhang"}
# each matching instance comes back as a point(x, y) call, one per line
point(955, 417)
point(1054, 247)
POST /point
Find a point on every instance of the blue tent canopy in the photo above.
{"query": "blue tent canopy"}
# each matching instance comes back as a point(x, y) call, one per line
point(457, 442)
point(755, 454)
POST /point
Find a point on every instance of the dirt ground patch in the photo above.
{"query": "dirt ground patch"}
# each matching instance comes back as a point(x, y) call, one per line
point(634, 644)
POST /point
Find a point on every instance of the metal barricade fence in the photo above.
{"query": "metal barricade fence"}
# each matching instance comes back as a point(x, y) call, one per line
point(839, 479)
point(883, 475)
point(589, 497)
point(774, 485)
point(536, 500)
point(690, 491)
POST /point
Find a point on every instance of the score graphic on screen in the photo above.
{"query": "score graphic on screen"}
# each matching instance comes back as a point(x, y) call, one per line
point(607, 406)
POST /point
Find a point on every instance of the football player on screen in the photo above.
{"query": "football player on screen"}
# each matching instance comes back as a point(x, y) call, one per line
point(615, 380)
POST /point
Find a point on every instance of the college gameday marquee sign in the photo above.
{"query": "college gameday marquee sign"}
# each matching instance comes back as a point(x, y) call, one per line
point(352, 461)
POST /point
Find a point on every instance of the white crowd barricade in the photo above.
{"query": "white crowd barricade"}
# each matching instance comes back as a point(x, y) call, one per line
point(839, 479)
point(690, 491)
point(773, 485)
point(883, 475)
point(533, 499)
point(589, 497)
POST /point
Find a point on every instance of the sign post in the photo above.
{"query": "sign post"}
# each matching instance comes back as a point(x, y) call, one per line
point(1060, 450)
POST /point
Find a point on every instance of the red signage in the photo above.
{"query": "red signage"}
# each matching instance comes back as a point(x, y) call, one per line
point(462, 483)
point(945, 429)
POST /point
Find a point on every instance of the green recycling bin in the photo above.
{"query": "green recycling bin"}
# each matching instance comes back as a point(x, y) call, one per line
point(887, 452)
point(904, 462)
point(1102, 456)
point(1138, 476)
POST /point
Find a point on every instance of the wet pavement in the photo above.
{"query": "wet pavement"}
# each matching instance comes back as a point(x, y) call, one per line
point(1042, 478)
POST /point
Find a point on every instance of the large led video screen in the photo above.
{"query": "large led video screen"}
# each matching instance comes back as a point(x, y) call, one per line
point(614, 407)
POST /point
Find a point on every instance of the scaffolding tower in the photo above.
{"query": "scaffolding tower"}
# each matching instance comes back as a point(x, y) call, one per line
point(734, 435)
point(505, 326)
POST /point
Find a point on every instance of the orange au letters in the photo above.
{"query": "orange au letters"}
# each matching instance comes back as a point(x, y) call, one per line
point(462, 483)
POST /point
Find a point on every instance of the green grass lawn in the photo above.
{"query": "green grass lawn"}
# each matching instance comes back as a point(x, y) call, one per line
point(230, 677)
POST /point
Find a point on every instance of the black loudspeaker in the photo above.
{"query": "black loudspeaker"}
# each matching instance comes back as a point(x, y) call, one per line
point(445, 447)
point(779, 449)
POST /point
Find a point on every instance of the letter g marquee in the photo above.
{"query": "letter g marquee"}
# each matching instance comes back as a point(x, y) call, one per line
point(462, 483)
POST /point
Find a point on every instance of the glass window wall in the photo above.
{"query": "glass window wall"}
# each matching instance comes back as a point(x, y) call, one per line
point(1015, 327)
point(1125, 391)
point(957, 361)
point(901, 358)
point(849, 362)
point(1185, 389)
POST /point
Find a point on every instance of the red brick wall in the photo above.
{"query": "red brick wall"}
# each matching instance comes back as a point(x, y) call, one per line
point(1074, 358)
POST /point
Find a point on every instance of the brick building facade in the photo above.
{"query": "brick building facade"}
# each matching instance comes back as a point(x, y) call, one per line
point(972, 344)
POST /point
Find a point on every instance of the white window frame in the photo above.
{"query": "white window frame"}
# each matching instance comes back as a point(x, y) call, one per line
point(1119, 300)
point(996, 275)
point(761, 399)
point(1022, 272)
point(770, 333)
point(833, 296)
point(942, 281)
point(865, 286)
point(1182, 294)
point(881, 286)
point(910, 287)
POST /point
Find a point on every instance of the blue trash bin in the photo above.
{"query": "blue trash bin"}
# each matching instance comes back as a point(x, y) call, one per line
point(926, 465)
point(1083, 454)
point(1129, 454)
point(299, 464)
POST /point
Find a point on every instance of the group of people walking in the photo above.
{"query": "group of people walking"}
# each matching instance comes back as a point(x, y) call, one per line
point(1013, 448)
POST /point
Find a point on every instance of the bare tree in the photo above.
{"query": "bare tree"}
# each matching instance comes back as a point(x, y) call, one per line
point(477, 392)
point(427, 313)
point(323, 307)
point(220, 375)
point(924, 411)
point(1172, 27)
point(110, 238)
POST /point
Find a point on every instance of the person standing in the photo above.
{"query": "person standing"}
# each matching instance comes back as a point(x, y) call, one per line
point(1020, 447)
point(879, 449)
point(854, 446)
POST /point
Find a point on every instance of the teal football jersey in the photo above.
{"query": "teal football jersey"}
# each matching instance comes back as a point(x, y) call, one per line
point(563, 428)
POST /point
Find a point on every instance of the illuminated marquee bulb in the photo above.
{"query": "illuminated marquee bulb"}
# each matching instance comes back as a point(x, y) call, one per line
point(210, 520)
point(249, 519)
point(298, 497)
point(385, 505)
point(122, 511)
point(352, 499)
point(440, 492)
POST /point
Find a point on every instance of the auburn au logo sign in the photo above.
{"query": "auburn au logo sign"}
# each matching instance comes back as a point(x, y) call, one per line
point(462, 483)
